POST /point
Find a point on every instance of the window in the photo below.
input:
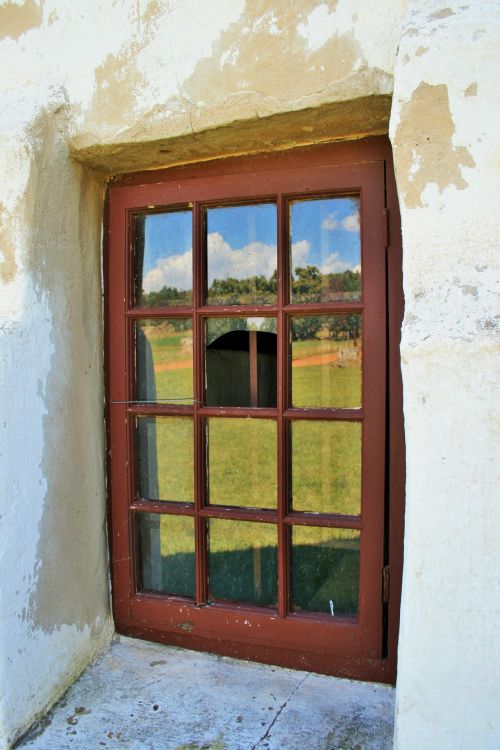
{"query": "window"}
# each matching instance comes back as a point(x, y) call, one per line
point(254, 424)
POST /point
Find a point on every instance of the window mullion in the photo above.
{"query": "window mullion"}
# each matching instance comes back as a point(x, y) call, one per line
point(282, 403)
point(199, 436)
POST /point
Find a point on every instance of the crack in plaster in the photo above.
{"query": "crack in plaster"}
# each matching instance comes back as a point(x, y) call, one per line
point(279, 711)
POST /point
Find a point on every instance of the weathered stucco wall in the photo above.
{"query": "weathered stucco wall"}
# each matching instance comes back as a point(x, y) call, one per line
point(444, 129)
point(93, 89)
point(54, 611)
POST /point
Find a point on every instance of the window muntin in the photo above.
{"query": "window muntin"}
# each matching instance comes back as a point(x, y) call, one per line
point(320, 461)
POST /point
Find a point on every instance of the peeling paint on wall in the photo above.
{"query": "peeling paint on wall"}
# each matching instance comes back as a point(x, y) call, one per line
point(471, 90)
point(118, 81)
point(8, 265)
point(16, 20)
point(270, 48)
point(443, 13)
point(424, 142)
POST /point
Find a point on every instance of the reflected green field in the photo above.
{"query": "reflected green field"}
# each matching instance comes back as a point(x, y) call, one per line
point(326, 467)
point(325, 478)
point(168, 363)
point(241, 461)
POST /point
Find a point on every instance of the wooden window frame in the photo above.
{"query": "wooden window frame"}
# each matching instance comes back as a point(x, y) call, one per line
point(365, 649)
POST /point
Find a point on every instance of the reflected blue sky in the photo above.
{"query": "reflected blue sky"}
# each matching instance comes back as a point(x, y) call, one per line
point(330, 226)
point(242, 241)
point(241, 225)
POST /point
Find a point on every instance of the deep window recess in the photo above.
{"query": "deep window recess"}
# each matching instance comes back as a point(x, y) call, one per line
point(254, 415)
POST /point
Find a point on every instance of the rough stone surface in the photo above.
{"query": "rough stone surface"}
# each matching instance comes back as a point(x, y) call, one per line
point(144, 696)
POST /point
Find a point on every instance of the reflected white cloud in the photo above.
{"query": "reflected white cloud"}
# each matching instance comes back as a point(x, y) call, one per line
point(333, 263)
point(330, 223)
point(254, 259)
point(300, 252)
point(351, 223)
point(173, 271)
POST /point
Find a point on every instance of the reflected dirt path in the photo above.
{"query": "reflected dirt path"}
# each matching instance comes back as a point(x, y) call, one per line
point(181, 364)
point(316, 359)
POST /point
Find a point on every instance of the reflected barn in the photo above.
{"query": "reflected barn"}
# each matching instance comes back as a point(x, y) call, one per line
point(229, 369)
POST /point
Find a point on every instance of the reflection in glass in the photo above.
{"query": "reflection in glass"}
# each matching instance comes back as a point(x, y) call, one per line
point(326, 466)
point(164, 360)
point(241, 457)
point(325, 250)
point(164, 259)
point(242, 561)
point(240, 362)
point(164, 458)
point(241, 246)
point(325, 570)
point(326, 360)
point(166, 554)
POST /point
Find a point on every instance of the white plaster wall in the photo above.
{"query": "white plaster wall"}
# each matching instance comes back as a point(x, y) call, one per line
point(444, 128)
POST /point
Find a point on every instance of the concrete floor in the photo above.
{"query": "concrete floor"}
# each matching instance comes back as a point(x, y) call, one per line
point(144, 696)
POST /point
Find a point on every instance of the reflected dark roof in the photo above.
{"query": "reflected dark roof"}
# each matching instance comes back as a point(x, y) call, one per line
point(240, 341)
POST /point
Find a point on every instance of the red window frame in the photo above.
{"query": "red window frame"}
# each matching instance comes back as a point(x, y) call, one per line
point(362, 649)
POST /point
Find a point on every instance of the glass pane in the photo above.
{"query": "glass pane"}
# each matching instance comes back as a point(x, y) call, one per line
point(240, 362)
point(243, 563)
point(325, 250)
point(164, 458)
point(325, 570)
point(241, 245)
point(164, 259)
point(326, 360)
point(164, 360)
point(241, 457)
point(326, 467)
point(166, 554)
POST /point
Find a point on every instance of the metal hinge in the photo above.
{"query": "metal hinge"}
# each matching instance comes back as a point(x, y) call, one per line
point(386, 227)
point(386, 582)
